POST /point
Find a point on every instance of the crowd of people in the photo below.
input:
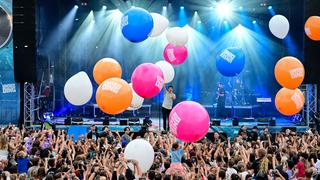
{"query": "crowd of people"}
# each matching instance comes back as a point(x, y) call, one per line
point(49, 154)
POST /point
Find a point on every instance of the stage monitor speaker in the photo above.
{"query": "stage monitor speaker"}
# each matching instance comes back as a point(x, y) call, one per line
point(134, 121)
point(272, 122)
point(123, 122)
point(67, 121)
point(24, 41)
point(215, 123)
point(311, 48)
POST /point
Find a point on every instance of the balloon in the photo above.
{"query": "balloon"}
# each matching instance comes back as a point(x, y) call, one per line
point(289, 72)
point(230, 61)
point(177, 36)
point(147, 80)
point(136, 102)
point(175, 55)
point(136, 24)
point(289, 102)
point(160, 23)
point(189, 121)
point(279, 26)
point(78, 89)
point(312, 28)
point(106, 68)
point(167, 69)
point(114, 96)
point(141, 151)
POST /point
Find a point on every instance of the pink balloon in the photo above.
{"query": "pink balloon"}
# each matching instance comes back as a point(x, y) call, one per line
point(189, 121)
point(175, 55)
point(147, 80)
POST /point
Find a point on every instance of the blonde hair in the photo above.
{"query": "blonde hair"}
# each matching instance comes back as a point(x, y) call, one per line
point(3, 142)
point(264, 165)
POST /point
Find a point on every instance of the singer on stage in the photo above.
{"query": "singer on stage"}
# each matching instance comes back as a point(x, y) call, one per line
point(169, 96)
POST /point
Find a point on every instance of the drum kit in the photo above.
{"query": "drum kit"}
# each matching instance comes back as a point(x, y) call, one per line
point(238, 95)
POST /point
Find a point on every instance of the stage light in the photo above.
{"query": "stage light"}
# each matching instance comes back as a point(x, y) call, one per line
point(196, 12)
point(225, 22)
point(76, 6)
point(164, 7)
point(240, 8)
point(224, 9)
point(104, 7)
point(77, 19)
point(269, 7)
point(199, 22)
point(181, 7)
point(254, 22)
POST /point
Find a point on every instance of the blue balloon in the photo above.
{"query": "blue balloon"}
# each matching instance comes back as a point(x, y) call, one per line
point(136, 24)
point(230, 62)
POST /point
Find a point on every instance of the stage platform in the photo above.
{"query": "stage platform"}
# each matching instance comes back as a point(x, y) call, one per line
point(226, 125)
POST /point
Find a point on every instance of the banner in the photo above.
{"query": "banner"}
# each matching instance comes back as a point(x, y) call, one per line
point(9, 90)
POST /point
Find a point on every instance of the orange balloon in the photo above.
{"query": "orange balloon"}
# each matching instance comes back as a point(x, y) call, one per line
point(114, 96)
point(106, 68)
point(312, 28)
point(289, 72)
point(289, 102)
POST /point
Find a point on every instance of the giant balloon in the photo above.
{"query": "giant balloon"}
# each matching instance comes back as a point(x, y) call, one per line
point(167, 69)
point(177, 36)
point(78, 89)
point(114, 96)
point(230, 62)
point(312, 28)
point(160, 23)
point(141, 151)
point(279, 26)
point(289, 102)
point(147, 80)
point(189, 121)
point(175, 55)
point(106, 68)
point(136, 24)
point(289, 72)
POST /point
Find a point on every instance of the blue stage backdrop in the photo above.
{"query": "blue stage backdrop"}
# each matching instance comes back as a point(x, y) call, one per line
point(74, 38)
point(9, 91)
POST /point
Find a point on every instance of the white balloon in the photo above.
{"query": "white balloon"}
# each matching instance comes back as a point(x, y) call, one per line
point(279, 26)
point(177, 36)
point(160, 23)
point(136, 102)
point(78, 89)
point(167, 69)
point(141, 151)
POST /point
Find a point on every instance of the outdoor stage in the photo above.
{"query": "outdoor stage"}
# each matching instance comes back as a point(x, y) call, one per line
point(228, 127)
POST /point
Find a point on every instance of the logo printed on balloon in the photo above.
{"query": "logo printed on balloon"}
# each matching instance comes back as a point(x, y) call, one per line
point(297, 100)
point(111, 86)
point(228, 56)
point(171, 55)
point(297, 73)
point(124, 21)
point(159, 82)
point(173, 124)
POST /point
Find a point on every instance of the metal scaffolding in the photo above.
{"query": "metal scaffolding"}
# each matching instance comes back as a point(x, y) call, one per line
point(29, 104)
point(310, 107)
